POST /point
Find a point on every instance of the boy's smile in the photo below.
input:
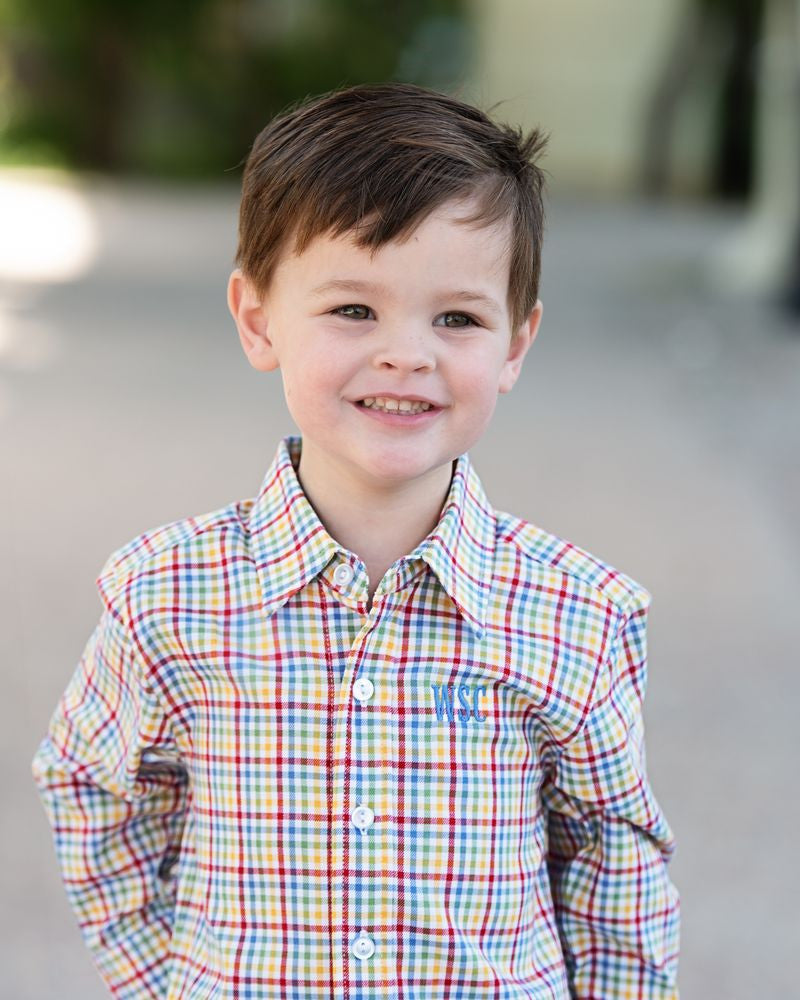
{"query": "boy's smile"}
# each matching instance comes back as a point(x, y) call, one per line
point(401, 407)
point(391, 359)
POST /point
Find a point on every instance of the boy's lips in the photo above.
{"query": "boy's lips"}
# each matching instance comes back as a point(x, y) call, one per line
point(396, 403)
point(396, 410)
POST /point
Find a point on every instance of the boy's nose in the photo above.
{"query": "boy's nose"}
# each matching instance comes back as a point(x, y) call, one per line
point(405, 351)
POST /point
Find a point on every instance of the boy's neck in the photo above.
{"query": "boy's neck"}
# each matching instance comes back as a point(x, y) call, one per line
point(379, 524)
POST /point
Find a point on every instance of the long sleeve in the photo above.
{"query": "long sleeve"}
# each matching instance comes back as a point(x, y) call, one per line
point(609, 843)
point(114, 790)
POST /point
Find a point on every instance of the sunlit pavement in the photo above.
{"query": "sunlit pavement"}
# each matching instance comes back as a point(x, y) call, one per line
point(657, 425)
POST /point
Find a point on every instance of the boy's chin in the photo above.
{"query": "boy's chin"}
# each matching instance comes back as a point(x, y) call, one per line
point(407, 474)
point(377, 466)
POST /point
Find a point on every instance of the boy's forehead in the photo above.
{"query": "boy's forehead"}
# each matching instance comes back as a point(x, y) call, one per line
point(445, 238)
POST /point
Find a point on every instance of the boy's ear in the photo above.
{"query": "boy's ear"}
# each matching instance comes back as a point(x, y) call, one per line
point(250, 318)
point(521, 340)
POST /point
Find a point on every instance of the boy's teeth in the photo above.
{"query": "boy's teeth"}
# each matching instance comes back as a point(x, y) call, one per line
point(395, 405)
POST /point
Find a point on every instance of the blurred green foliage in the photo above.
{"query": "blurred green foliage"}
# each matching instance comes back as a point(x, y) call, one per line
point(181, 87)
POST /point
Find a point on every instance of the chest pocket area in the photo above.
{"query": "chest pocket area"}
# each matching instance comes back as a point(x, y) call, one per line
point(471, 736)
point(470, 792)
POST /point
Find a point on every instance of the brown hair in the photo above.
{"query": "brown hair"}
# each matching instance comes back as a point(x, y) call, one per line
point(376, 160)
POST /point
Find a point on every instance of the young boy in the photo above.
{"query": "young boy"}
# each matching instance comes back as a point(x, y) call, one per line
point(364, 736)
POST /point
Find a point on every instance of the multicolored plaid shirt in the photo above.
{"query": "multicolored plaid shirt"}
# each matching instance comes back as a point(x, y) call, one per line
point(261, 786)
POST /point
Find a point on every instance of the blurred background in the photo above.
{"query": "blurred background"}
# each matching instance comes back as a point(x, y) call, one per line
point(657, 423)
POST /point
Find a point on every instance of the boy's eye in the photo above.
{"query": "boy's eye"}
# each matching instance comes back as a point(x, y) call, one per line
point(456, 321)
point(452, 320)
point(353, 311)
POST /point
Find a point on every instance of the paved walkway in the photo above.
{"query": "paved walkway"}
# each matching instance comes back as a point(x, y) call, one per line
point(657, 424)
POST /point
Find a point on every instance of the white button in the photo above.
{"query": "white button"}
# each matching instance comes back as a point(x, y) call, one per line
point(363, 688)
point(363, 817)
point(363, 946)
point(342, 575)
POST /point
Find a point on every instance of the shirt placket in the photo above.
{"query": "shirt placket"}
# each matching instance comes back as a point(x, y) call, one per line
point(364, 836)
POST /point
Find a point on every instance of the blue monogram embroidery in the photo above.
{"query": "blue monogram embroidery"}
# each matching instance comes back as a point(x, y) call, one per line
point(443, 701)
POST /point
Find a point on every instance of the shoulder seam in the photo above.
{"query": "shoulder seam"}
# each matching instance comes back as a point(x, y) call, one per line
point(121, 566)
point(631, 588)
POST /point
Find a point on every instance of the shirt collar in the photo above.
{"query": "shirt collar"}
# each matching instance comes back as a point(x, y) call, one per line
point(460, 549)
point(291, 546)
point(289, 542)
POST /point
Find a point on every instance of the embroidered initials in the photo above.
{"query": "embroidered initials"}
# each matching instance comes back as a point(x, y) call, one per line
point(443, 695)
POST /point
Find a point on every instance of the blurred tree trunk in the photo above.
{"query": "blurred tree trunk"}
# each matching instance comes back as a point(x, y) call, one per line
point(763, 257)
point(106, 91)
point(721, 35)
point(777, 202)
point(770, 245)
point(688, 44)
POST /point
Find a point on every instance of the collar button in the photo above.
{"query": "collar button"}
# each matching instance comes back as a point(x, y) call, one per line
point(343, 575)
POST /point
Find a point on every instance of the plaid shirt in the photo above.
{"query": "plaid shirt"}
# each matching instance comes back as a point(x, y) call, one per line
point(262, 787)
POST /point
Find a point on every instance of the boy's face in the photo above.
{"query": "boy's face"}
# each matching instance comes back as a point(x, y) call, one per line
point(391, 363)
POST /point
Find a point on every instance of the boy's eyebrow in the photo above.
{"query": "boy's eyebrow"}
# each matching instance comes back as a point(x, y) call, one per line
point(348, 285)
point(354, 285)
